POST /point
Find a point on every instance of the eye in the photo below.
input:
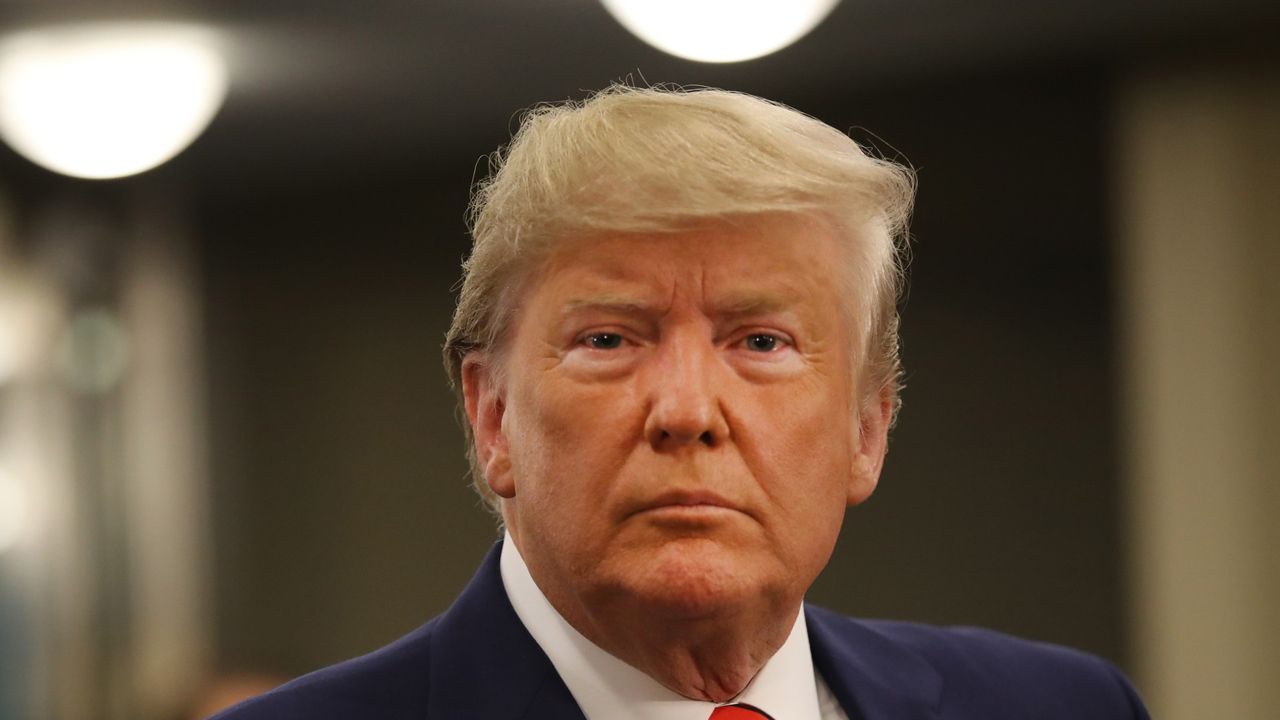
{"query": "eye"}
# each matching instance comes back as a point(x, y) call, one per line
point(761, 342)
point(603, 341)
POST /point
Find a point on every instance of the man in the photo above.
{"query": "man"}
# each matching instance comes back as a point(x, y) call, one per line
point(676, 345)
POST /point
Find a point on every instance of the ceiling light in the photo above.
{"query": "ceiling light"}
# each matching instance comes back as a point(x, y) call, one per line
point(108, 100)
point(719, 31)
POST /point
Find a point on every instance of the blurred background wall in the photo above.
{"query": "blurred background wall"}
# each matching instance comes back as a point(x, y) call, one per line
point(228, 454)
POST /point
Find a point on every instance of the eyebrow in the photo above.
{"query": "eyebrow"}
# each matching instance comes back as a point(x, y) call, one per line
point(751, 304)
point(732, 307)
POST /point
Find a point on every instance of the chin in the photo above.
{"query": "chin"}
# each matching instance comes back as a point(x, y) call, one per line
point(692, 578)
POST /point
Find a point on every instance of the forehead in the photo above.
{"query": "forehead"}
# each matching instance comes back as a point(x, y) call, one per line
point(780, 258)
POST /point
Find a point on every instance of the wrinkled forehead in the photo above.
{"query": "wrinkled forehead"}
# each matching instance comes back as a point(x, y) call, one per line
point(735, 266)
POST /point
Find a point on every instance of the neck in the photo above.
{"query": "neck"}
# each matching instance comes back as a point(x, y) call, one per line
point(711, 658)
point(711, 655)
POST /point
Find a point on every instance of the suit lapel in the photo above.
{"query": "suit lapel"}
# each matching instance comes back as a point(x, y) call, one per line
point(873, 677)
point(485, 664)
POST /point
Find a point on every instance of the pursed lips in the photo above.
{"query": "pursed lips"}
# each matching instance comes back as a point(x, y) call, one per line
point(677, 501)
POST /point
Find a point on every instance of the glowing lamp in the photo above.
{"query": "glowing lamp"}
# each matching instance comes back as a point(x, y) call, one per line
point(719, 31)
point(108, 100)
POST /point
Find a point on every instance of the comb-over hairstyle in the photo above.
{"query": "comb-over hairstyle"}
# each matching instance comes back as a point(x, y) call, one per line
point(659, 159)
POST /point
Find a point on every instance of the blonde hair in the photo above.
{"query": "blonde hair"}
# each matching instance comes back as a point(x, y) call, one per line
point(661, 159)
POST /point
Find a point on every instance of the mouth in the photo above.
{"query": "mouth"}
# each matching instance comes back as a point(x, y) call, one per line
point(688, 507)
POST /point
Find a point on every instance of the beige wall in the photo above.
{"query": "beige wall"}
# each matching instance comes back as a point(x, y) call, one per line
point(1198, 176)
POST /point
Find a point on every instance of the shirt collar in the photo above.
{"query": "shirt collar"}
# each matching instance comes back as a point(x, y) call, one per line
point(606, 687)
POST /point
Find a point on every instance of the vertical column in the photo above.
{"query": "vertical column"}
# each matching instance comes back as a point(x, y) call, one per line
point(164, 464)
point(1199, 230)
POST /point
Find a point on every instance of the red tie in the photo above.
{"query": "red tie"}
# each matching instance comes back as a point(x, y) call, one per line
point(740, 711)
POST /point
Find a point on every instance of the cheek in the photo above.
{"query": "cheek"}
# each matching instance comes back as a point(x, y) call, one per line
point(816, 481)
point(567, 439)
point(804, 441)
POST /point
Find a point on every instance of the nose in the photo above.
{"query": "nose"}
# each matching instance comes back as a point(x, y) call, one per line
point(685, 402)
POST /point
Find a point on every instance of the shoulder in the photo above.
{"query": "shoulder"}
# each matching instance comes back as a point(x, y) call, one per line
point(990, 674)
point(388, 684)
point(978, 653)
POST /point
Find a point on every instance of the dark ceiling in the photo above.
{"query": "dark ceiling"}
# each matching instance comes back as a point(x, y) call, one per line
point(326, 86)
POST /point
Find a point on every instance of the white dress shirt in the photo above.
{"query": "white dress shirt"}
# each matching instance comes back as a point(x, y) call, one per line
point(606, 688)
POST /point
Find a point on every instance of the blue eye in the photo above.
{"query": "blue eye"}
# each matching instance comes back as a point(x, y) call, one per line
point(604, 341)
point(761, 342)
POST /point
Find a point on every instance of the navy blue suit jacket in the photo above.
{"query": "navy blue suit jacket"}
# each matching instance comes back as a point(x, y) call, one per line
point(478, 661)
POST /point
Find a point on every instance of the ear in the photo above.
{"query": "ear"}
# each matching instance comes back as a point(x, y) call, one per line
point(870, 447)
point(485, 406)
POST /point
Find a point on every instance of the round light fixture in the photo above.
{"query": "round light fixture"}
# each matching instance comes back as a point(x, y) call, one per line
point(108, 100)
point(719, 31)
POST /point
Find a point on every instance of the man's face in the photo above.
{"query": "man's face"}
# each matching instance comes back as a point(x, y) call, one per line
point(678, 425)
